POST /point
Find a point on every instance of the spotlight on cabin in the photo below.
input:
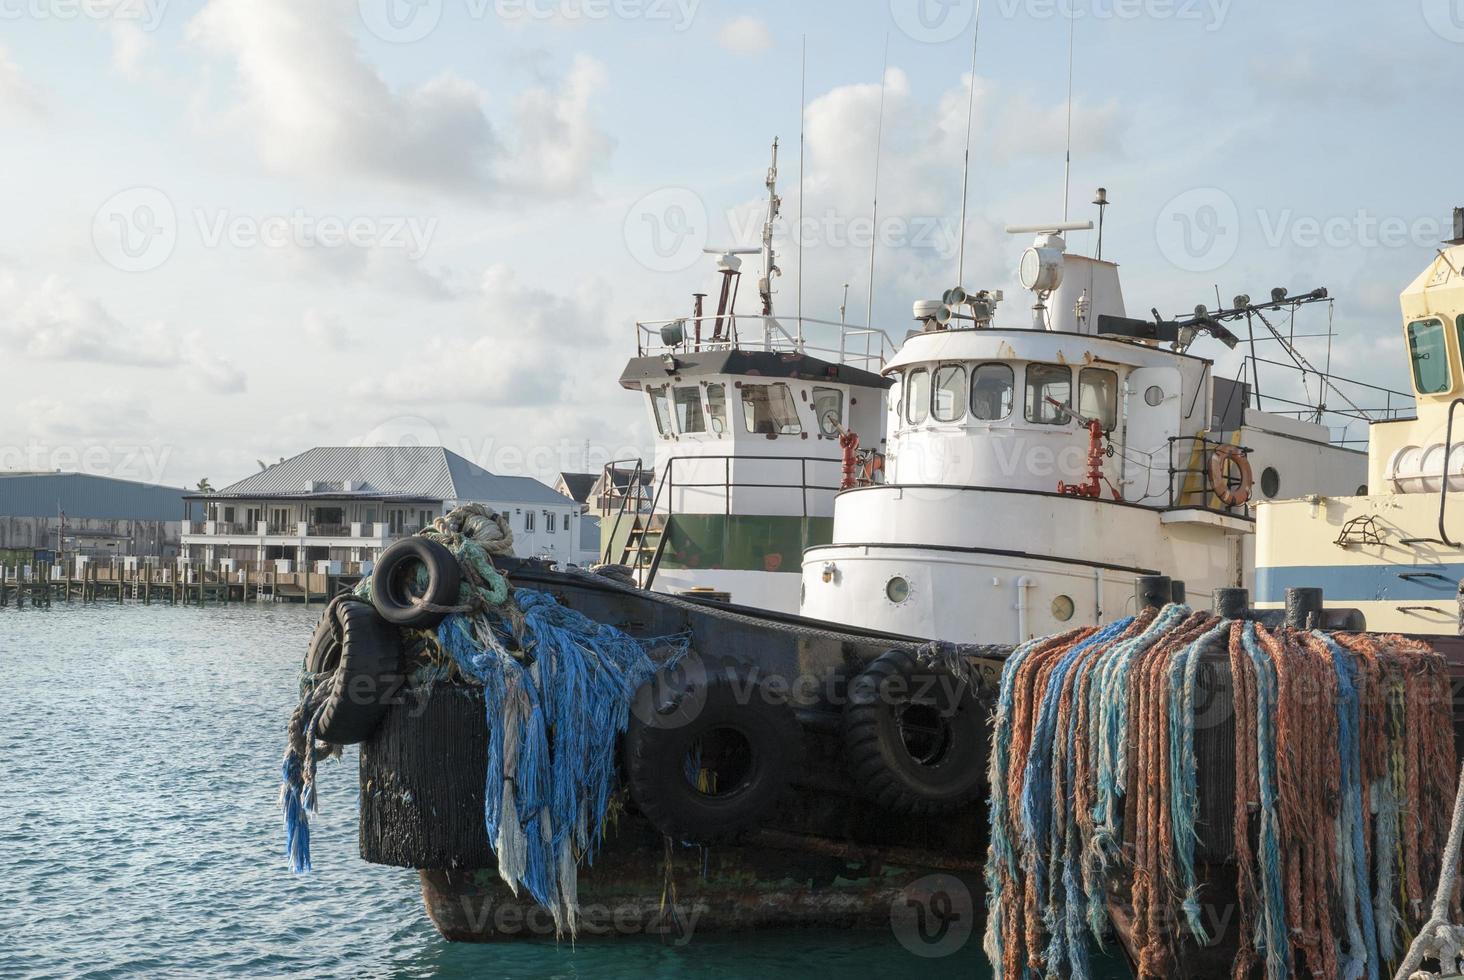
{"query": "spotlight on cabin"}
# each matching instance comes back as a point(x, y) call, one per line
point(673, 334)
point(1278, 294)
point(1242, 302)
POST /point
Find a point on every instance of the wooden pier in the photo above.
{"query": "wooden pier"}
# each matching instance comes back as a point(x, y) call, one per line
point(116, 581)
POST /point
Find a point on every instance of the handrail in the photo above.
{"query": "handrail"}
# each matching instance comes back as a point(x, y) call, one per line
point(1207, 489)
point(878, 347)
point(1444, 475)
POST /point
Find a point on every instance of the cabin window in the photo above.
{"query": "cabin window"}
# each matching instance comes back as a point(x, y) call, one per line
point(717, 407)
point(828, 408)
point(1048, 383)
point(991, 392)
point(1429, 356)
point(661, 409)
point(770, 410)
point(950, 393)
point(549, 521)
point(917, 397)
point(1098, 396)
point(528, 520)
point(689, 417)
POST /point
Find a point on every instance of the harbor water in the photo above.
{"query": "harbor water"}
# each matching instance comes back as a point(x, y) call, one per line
point(140, 833)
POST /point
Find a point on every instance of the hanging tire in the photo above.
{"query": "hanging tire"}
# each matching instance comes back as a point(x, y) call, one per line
point(915, 738)
point(712, 764)
point(394, 571)
point(358, 663)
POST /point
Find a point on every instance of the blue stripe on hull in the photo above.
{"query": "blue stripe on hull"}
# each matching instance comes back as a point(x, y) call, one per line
point(1361, 583)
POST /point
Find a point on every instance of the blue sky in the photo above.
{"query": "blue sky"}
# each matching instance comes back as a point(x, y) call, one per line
point(235, 229)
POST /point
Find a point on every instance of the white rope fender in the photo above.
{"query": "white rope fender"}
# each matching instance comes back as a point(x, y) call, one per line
point(1439, 938)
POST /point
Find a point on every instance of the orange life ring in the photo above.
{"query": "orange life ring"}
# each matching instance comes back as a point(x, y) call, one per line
point(872, 468)
point(1219, 480)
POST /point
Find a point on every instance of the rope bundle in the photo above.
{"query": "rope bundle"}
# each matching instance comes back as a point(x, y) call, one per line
point(557, 691)
point(1344, 769)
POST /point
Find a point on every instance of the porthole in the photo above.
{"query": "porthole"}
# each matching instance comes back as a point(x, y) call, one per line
point(1153, 396)
point(1362, 490)
point(897, 589)
point(1270, 482)
point(1063, 608)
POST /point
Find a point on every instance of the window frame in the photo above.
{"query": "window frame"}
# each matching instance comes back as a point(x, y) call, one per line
point(1029, 403)
point(910, 389)
point(661, 411)
point(791, 404)
point(1011, 390)
point(717, 421)
point(676, 402)
point(1413, 358)
point(818, 415)
point(958, 403)
point(1110, 419)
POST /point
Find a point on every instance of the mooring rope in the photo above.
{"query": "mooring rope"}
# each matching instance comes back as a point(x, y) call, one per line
point(1096, 784)
point(557, 689)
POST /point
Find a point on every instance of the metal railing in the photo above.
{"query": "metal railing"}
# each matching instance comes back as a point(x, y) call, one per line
point(662, 501)
point(866, 348)
point(1199, 451)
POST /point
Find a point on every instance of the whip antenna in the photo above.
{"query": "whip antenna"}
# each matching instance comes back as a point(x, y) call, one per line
point(966, 165)
point(1067, 170)
point(802, 111)
point(874, 208)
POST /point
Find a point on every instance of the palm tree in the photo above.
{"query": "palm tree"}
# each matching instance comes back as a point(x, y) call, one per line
point(204, 486)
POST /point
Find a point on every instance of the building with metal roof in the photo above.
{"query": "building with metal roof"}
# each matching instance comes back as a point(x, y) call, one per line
point(86, 514)
point(347, 503)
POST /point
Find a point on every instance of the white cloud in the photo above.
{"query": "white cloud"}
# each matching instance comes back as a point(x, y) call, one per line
point(315, 106)
point(519, 350)
point(326, 330)
point(130, 47)
point(18, 98)
point(55, 322)
point(745, 35)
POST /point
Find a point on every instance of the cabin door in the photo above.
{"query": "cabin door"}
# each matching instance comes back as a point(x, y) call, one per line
point(1152, 409)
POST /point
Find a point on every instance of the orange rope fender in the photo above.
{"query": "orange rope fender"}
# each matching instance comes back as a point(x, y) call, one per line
point(1222, 457)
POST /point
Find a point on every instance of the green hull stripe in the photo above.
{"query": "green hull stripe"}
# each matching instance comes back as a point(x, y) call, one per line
point(738, 542)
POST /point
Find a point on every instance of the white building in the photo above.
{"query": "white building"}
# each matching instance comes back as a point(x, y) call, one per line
point(347, 503)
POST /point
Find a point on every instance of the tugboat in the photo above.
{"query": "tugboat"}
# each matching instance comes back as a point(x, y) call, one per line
point(753, 415)
point(1033, 470)
point(1395, 549)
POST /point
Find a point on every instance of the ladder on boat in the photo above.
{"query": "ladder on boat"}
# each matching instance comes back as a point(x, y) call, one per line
point(644, 546)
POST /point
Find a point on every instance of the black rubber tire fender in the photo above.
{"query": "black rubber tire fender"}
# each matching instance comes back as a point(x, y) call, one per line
point(389, 582)
point(952, 722)
point(367, 678)
point(656, 754)
point(324, 653)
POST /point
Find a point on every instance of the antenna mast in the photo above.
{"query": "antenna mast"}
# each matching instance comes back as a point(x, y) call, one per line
point(770, 266)
point(874, 208)
point(802, 109)
point(966, 165)
point(1067, 170)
